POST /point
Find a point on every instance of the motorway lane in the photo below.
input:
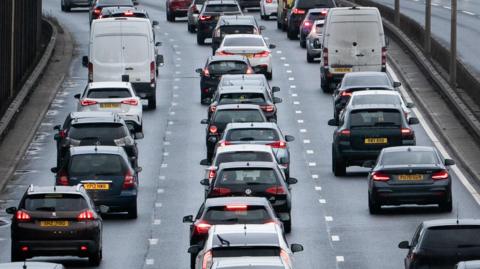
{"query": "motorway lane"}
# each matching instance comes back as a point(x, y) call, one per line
point(468, 25)
point(330, 215)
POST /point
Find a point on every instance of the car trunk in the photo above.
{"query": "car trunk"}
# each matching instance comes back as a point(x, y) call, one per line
point(375, 138)
point(414, 174)
point(245, 51)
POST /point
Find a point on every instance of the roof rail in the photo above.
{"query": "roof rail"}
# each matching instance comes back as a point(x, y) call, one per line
point(78, 187)
point(30, 188)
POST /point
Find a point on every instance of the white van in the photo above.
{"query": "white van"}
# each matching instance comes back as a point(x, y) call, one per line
point(353, 40)
point(123, 49)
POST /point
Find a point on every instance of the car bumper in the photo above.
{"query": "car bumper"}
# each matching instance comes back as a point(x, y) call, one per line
point(180, 12)
point(117, 203)
point(261, 65)
point(144, 89)
point(411, 194)
point(270, 9)
point(56, 247)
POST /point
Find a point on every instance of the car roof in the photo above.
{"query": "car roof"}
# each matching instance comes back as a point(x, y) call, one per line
point(242, 88)
point(237, 107)
point(91, 114)
point(31, 265)
point(122, 9)
point(244, 77)
point(475, 263)
point(54, 189)
point(365, 74)
point(218, 58)
point(117, 2)
point(112, 118)
point(374, 106)
point(221, 201)
point(238, 20)
point(376, 92)
point(450, 222)
point(244, 36)
point(219, 2)
point(244, 147)
point(116, 84)
point(252, 125)
point(248, 262)
point(231, 165)
point(408, 148)
point(97, 149)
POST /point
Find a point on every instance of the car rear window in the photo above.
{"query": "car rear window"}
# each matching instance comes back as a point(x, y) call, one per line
point(379, 118)
point(242, 115)
point(451, 237)
point(221, 8)
point(96, 164)
point(409, 158)
point(122, 14)
point(100, 131)
point(115, 2)
point(109, 93)
point(243, 156)
point(53, 202)
point(254, 134)
point(236, 29)
point(242, 98)
point(315, 3)
point(376, 99)
point(248, 82)
point(247, 176)
point(232, 214)
point(365, 80)
point(230, 67)
point(251, 251)
point(244, 42)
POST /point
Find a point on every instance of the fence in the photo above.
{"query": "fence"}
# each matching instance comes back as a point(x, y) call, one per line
point(20, 44)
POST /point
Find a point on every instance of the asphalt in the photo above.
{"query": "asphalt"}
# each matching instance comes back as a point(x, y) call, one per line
point(330, 215)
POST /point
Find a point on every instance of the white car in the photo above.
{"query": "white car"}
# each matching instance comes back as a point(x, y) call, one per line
point(253, 47)
point(31, 265)
point(268, 8)
point(117, 97)
point(380, 97)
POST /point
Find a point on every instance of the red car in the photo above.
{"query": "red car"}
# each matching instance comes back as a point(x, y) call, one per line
point(177, 8)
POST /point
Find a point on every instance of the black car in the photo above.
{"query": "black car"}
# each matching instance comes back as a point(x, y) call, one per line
point(95, 128)
point(257, 95)
point(260, 179)
point(215, 68)
point(228, 25)
point(313, 15)
point(365, 130)
point(225, 114)
point(209, 15)
point(443, 243)
point(106, 174)
point(56, 221)
point(98, 5)
point(410, 175)
point(228, 210)
point(298, 12)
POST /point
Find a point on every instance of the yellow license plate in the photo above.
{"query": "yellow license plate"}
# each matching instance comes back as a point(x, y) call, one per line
point(382, 140)
point(54, 223)
point(109, 105)
point(96, 186)
point(410, 177)
point(249, 55)
point(342, 70)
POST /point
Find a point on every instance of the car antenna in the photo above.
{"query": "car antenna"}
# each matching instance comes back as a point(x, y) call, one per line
point(223, 241)
point(24, 265)
point(458, 214)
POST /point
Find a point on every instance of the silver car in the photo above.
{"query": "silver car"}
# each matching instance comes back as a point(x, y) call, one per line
point(192, 14)
point(314, 41)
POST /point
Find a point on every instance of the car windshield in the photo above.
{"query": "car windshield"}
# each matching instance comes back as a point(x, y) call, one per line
point(375, 118)
point(243, 156)
point(236, 29)
point(230, 67)
point(109, 93)
point(96, 164)
point(221, 8)
point(254, 134)
point(247, 176)
point(364, 81)
point(103, 132)
point(243, 42)
point(251, 251)
point(242, 115)
point(452, 237)
point(375, 99)
point(115, 2)
point(242, 97)
point(409, 158)
point(53, 202)
point(315, 3)
point(232, 214)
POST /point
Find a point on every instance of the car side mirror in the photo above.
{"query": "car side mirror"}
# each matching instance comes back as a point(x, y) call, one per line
point(135, 3)
point(194, 249)
point(199, 70)
point(397, 84)
point(410, 105)
point(77, 96)
point(138, 169)
point(413, 121)
point(85, 61)
point(292, 180)
point(188, 219)
point(205, 162)
point(57, 128)
point(102, 209)
point(205, 182)
point(54, 170)
point(11, 210)
point(296, 248)
point(275, 89)
point(125, 78)
point(271, 46)
point(449, 162)
point(159, 60)
point(204, 121)
point(404, 245)
point(333, 122)
point(155, 23)
point(289, 138)
point(368, 164)
point(139, 135)
point(261, 27)
point(277, 100)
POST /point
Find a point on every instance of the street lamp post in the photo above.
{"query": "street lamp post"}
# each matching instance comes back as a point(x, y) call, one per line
point(427, 45)
point(453, 46)
point(397, 13)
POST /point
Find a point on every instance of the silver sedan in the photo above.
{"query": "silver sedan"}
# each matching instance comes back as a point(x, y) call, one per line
point(314, 41)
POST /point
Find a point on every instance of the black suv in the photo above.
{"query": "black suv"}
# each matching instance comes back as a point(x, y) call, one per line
point(364, 130)
point(208, 17)
point(97, 6)
point(228, 25)
point(225, 114)
point(443, 243)
point(106, 174)
point(55, 221)
point(260, 179)
point(298, 12)
point(215, 68)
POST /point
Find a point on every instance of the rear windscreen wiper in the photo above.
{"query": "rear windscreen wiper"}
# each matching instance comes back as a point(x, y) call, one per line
point(247, 139)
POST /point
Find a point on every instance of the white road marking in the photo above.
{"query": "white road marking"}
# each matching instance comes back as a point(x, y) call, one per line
point(174, 104)
point(175, 95)
point(177, 79)
point(166, 143)
point(279, 51)
point(165, 154)
point(158, 204)
point(289, 71)
point(166, 33)
point(340, 259)
point(160, 191)
point(315, 176)
point(283, 58)
point(447, 7)
point(176, 87)
point(286, 65)
point(177, 72)
point(335, 238)
point(435, 4)
point(328, 218)
point(291, 78)
point(300, 121)
point(309, 151)
point(175, 45)
point(157, 222)
point(298, 111)
point(306, 141)
point(177, 65)
point(318, 188)
point(322, 201)
point(296, 102)
point(312, 164)
point(179, 59)
point(172, 113)
point(153, 241)
point(178, 52)
point(303, 130)
point(161, 177)
point(149, 261)
point(266, 38)
point(170, 123)
point(293, 86)
point(468, 13)
point(164, 165)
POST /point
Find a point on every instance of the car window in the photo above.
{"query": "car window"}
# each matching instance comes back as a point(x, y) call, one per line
point(109, 93)
point(315, 3)
point(365, 80)
point(135, 48)
point(236, 29)
point(101, 131)
point(451, 237)
point(237, 214)
point(370, 118)
point(244, 42)
point(96, 164)
point(242, 97)
point(254, 134)
point(313, 16)
point(55, 202)
point(252, 82)
point(231, 67)
point(243, 115)
point(221, 8)
point(253, 176)
point(252, 251)
point(376, 99)
point(243, 156)
point(115, 2)
point(409, 158)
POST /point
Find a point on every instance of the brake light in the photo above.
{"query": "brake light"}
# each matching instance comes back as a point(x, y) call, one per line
point(63, 178)
point(202, 227)
point(440, 175)
point(276, 190)
point(206, 73)
point(345, 94)
point(62, 133)
point(406, 132)
point(236, 207)
point(87, 102)
point(128, 181)
point(298, 11)
point(345, 132)
point(97, 11)
point(262, 54)
point(22, 216)
point(86, 215)
point(268, 108)
point(204, 18)
point(278, 144)
point(207, 260)
point(325, 56)
point(152, 72)
point(223, 53)
point(307, 24)
point(90, 72)
point(380, 176)
point(213, 129)
point(132, 102)
point(212, 173)
point(284, 256)
point(224, 143)
point(249, 71)
point(221, 191)
point(384, 56)
point(128, 13)
point(24, 248)
point(324, 12)
point(269, 1)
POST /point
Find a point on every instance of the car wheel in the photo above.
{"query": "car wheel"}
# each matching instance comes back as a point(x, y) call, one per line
point(152, 102)
point(95, 259)
point(15, 255)
point(373, 207)
point(287, 225)
point(269, 75)
point(191, 28)
point(446, 206)
point(339, 167)
point(325, 85)
point(193, 257)
point(303, 43)
point(310, 58)
point(279, 25)
point(200, 39)
point(291, 34)
point(132, 212)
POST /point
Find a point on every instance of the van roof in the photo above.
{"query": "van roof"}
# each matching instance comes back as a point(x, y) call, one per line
point(130, 25)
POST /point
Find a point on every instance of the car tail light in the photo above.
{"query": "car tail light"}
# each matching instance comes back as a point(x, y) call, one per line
point(206, 73)
point(406, 132)
point(380, 176)
point(213, 108)
point(86, 215)
point(207, 260)
point(249, 71)
point(97, 11)
point(24, 248)
point(278, 144)
point(325, 56)
point(128, 181)
point(87, 102)
point(22, 216)
point(262, 54)
point(202, 227)
point(440, 175)
point(236, 207)
point(307, 24)
point(212, 173)
point(62, 133)
point(276, 190)
point(285, 257)
point(83, 248)
point(204, 18)
point(213, 129)
point(223, 53)
point(346, 93)
point(268, 108)
point(63, 178)
point(128, 13)
point(152, 72)
point(384, 56)
point(221, 191)
point(90, 72)
point(269, 1)
point(224, 143)
point(132, 102)
point(298, 11)
point(345, 133)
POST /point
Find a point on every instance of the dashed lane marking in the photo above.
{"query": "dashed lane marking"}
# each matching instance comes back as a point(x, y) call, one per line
point(291, 78)
point(312, 164)
point(289, 71)
point(335, 238)
point(160, 191)
point(322, 201)
point(306, 141)
point(286, 65)
point(158, 204)
point(296, 102)
point(293, 94)
point(149, 261)
point(166, 154)
point(164, 165)
point(161, 177)
point(279, 52)
point(157, 222)
point(340, 259)
point(328, 218)
point(300, 121)
point(315, 176)
point(153, 241)
point(309, 151)
point(166, 143)
point(298, 111)
point(283, 58)
point(318, 188)
point(175, 87)
point(303, 130)
point(469, 13)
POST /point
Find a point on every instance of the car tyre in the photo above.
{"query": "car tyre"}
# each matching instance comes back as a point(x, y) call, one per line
point(303, 43)
point(170, 16)
point(200, 39)
point(132, 212)
point(269, 75)
point(191, 28)
point(287, 225)
point(96, 258)
point(446, 206)
point(279, 25)
point(310, 58)
point(325, 86)
point(152, 102)
point(16, 256)
point(339, 168)
point(291, 34)
point(193, 257)
point(373, 207)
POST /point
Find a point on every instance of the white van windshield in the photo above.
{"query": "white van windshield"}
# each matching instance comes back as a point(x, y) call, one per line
point(361, 32)
point(107, 49)
point(135, 48)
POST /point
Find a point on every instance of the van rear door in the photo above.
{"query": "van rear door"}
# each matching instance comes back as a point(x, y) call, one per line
point(368, 52)
point(106, 58)
point(137, 57)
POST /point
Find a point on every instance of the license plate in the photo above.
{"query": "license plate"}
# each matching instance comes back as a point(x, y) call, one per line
point(54, 223)
point(382, 140)
point(248, 55)
point(109, 105)
point(96, 186)
point(342, 70)
point(410, 177)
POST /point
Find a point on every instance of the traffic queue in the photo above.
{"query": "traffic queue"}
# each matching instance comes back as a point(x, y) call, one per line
point(248, 183)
